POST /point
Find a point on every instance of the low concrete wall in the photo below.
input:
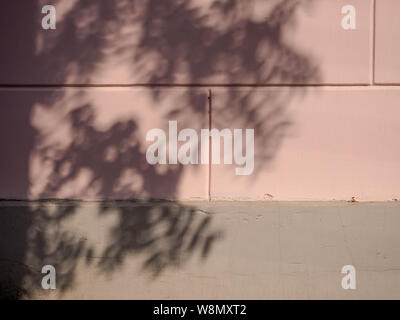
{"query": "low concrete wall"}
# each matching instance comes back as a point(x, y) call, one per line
point(219, 250)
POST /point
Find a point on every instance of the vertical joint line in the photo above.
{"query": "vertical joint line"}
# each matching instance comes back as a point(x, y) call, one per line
point(373, 40)
point(209, 143)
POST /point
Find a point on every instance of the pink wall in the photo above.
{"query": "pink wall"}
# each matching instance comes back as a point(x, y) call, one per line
point(78, 101)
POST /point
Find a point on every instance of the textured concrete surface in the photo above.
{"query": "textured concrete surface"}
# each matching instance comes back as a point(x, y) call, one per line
point(76, 104)
point(218, 250)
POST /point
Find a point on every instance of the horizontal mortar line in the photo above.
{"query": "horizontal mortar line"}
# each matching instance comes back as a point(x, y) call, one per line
point(181, 85)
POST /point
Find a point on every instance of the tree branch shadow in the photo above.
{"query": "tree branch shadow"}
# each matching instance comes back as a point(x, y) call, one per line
point(59, 145)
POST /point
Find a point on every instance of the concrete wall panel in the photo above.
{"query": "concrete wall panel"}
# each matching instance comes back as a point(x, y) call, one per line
point(387, 49)
point(91, 143)
point(190, 42)
point(323, 144)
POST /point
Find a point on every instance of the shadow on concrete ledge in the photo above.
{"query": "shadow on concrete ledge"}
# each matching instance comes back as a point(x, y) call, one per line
point(160, 235)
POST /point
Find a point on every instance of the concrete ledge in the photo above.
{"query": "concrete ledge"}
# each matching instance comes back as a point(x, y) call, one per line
point(225, 250)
